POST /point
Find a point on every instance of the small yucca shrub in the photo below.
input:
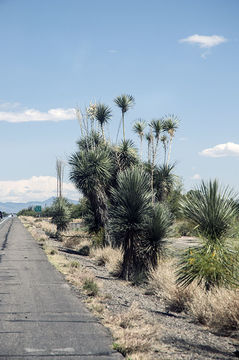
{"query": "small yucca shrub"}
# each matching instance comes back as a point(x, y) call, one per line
point(210, 265)
point(212, 210)
point(60, 215)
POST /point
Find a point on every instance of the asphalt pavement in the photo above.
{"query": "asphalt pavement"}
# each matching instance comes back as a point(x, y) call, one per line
point(40, 315)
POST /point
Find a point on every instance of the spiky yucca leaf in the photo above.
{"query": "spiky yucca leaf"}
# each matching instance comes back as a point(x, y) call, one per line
point(132, 202)
point(103, 115)
point(126, 154)
point(211, 208)
point(124, 102)
point(130, 214)
point(90, 169)
point(156, 232)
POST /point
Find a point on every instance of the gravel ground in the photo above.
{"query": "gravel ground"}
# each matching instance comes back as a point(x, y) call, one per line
point(181, 338)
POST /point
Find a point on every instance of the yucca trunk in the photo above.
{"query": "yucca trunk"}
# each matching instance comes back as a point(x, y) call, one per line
point(103, 212)
point(141, 147)
point(128, 260)
point(102, 131)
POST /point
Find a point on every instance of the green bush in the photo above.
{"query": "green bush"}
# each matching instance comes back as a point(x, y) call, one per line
point(84, 250)
point(60, 214)
point(90, 287)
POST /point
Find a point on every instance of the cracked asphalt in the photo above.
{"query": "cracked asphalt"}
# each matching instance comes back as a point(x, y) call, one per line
point(40, 316)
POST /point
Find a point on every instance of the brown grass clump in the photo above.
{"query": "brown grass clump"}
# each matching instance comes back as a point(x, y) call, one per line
point(162, 282)
point(218, 309)
point(110, 257)
point(134, 332)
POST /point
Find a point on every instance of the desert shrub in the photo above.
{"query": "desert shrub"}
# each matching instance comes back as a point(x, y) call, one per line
point(74, 264)
point(90, 287)
point(84, 250)
point(184, 228)
point(60, 214)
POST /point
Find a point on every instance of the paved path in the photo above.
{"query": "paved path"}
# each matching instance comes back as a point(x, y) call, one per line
point(40, 316)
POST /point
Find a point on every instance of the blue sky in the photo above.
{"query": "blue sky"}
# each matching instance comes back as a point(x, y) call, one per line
point(173, 56)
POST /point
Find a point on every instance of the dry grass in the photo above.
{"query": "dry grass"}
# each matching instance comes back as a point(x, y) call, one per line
point(162, 282)
point(111, 258)
point(217, 309)
point(134, 332)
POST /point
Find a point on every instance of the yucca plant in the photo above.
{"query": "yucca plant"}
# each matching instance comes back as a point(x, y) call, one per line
point(124, 102)
point(170, 125)
point(102, 115)
point(61, 215)
point(138, 128)
point(212, 264)
point(211, 210)
point(126, 154)
point(130, 214)
point(91, 172)
point(156, 232)
point(164, 181)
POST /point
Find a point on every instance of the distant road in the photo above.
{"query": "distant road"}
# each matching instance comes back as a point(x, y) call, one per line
point(40, 316)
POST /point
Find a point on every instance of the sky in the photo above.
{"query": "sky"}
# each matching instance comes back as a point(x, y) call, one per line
point(174, 57)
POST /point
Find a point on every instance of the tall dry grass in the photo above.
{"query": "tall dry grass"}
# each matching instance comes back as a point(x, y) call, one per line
point(134, 332)
point(218, 308)
point(111, 258)
point(162, 282)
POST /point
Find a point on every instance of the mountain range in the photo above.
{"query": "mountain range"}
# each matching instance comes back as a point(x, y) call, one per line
point(12, 207)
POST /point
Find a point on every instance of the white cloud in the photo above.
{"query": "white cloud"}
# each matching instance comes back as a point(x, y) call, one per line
point(36, 115)
point(204, 41)
point(196, 177)
point(221, 150)
point(37, 188)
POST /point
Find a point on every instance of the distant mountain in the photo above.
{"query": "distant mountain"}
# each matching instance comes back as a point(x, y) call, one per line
point(12, 207)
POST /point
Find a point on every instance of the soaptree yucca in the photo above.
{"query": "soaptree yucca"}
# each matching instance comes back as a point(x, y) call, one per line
point(211, 209)
point(130, 213)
